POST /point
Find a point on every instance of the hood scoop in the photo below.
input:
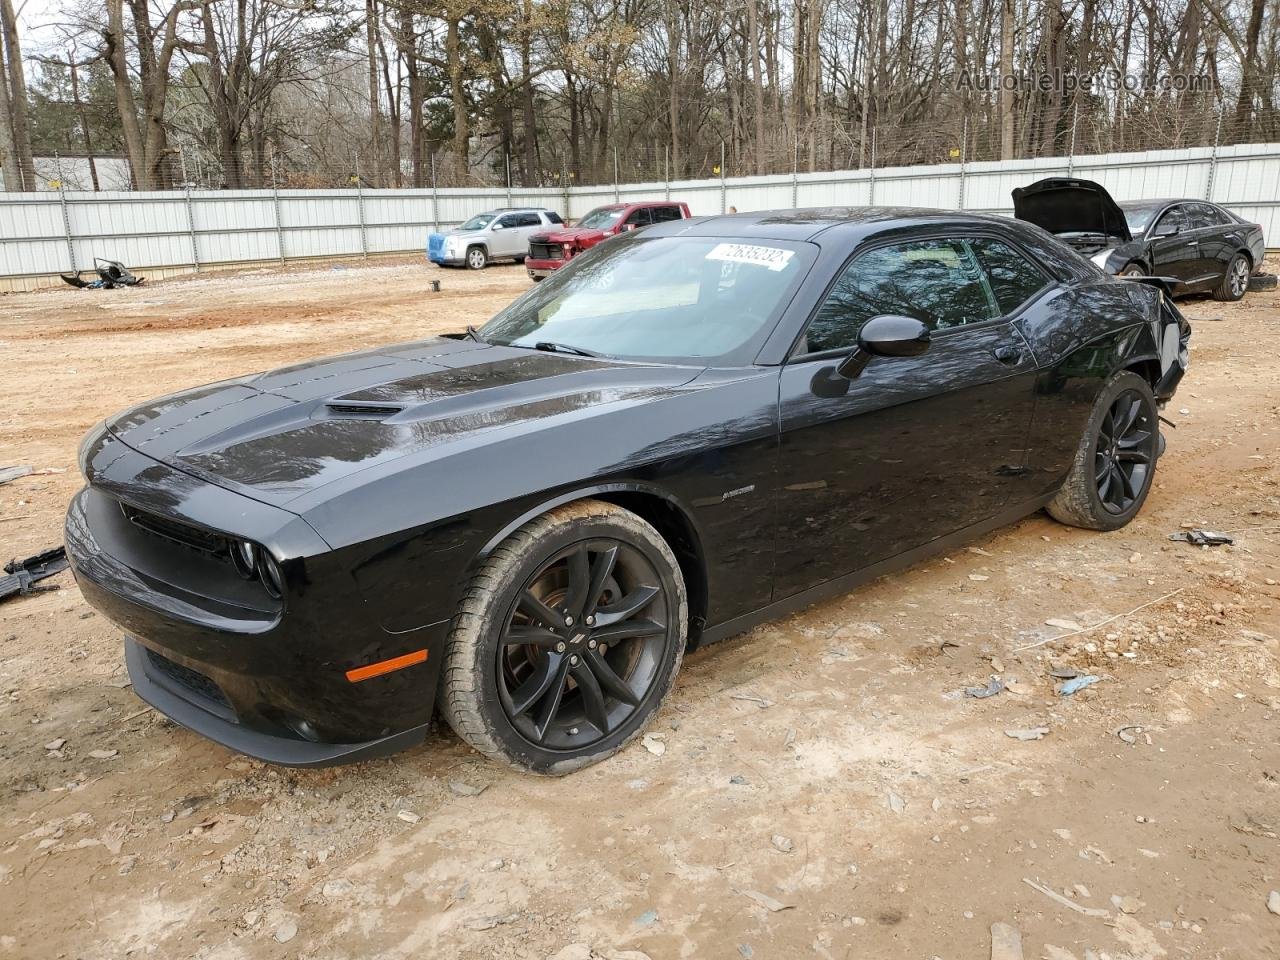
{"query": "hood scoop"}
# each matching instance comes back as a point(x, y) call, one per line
point(355, 410)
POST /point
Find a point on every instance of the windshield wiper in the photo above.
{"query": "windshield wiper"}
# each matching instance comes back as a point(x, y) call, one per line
point(474, 334)
point(551, 347)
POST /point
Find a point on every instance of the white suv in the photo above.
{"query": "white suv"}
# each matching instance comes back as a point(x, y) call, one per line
point(496, 235)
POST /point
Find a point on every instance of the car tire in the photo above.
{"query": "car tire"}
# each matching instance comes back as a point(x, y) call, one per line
point(477, 258)
point(553, 697)
point(1133, 269)
point(520, 260)
point(1235, 281)
point(1116, 460)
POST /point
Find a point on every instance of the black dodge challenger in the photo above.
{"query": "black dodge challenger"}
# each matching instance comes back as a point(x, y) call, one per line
point(683, 433)
point(1202, 246)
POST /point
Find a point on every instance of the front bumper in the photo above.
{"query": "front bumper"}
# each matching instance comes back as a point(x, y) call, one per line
point(441, 260)
point(182, 703)
point(267, 681)
point(543, 268)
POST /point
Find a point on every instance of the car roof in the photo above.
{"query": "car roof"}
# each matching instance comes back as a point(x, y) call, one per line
point(1152, 204)
point(849, 223)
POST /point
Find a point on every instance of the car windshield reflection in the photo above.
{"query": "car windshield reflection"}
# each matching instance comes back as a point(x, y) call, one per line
point(667, 298)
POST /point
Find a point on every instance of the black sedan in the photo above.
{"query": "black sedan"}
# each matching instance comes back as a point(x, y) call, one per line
point(1204, 247)
point(681, 434)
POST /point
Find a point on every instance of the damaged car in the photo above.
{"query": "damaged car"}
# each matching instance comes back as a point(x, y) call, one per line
point(1203, 247)
point(682, 433)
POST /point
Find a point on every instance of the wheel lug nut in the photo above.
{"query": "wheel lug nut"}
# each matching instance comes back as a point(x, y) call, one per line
point(568, 620)
point(574, 660)
point(560, 647)
point(591, 621)
point(591, 644)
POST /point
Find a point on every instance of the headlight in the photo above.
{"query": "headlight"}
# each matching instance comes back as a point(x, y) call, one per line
point(243, 558)
point(1100, 258)
point(253, 562)
point(451, 244)
point(272, 577)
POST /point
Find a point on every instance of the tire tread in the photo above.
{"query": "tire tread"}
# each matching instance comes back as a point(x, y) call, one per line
point(460, 697)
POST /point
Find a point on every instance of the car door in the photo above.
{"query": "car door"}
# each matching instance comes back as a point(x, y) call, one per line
point(504, 238)
point(530, 223)
point(1174, 251)
point(913, 448)
point(1210, 229)
point(637, 219)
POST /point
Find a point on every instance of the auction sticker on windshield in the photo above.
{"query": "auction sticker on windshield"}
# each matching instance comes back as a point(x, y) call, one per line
point(773, 258)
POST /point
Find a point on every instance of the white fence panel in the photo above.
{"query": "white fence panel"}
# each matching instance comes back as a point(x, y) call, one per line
point(42, 234)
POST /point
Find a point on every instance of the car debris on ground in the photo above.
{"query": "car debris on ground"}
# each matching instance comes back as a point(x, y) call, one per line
point(1202, 538)
point(1076, 684)
point(8, 474)
point(111, 275)
point(994, 686)
point(25, 574)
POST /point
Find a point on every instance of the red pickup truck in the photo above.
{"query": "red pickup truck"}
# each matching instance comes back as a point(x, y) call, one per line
point(549, 252)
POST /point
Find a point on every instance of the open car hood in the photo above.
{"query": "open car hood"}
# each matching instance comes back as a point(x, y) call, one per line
point(1069, 205)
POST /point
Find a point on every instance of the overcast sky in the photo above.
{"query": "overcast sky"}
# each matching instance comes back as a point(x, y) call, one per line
point(35, 19)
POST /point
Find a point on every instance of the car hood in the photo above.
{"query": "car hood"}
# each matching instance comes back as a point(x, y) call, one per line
point(569, 235)
point(1069, 205)
point(459, 232)
point(281, 435)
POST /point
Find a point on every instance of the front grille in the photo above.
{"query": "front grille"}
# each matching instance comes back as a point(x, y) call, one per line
point(192, 680)
point(202, 541)
point(435, 244)
point(546, 251)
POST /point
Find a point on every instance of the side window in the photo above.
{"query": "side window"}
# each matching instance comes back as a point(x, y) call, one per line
point(1014, 279)
point(552, 216)
point(510, 220)
point(663, 214)
point(1204, 215)
point(935, 281)
point(639, 218)
point(1173, 220)
point(530, 220)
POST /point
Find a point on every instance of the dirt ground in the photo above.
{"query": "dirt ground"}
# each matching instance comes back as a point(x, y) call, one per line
point(826, 789)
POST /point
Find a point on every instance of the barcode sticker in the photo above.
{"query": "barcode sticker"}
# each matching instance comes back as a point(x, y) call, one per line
point(772, 258)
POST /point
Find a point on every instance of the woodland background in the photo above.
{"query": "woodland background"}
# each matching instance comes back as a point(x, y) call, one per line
point(315, 93)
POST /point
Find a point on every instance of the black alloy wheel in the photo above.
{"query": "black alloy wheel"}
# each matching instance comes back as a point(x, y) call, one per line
point(1124, 453)
point(583, 645)
point(1115, 462)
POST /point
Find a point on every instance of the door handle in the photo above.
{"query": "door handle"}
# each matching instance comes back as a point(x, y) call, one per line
point(1007, 353)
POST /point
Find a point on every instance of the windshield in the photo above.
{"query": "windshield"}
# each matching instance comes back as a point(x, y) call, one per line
point(600, 217)
point(661, 298)
point(1138, 218)
point(478, 222)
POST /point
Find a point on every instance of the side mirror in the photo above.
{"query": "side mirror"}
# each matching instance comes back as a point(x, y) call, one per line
point(1165, 230)
point(497, 226)
point(888, 335)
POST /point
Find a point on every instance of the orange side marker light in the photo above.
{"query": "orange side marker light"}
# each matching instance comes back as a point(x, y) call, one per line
point(386, 666)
